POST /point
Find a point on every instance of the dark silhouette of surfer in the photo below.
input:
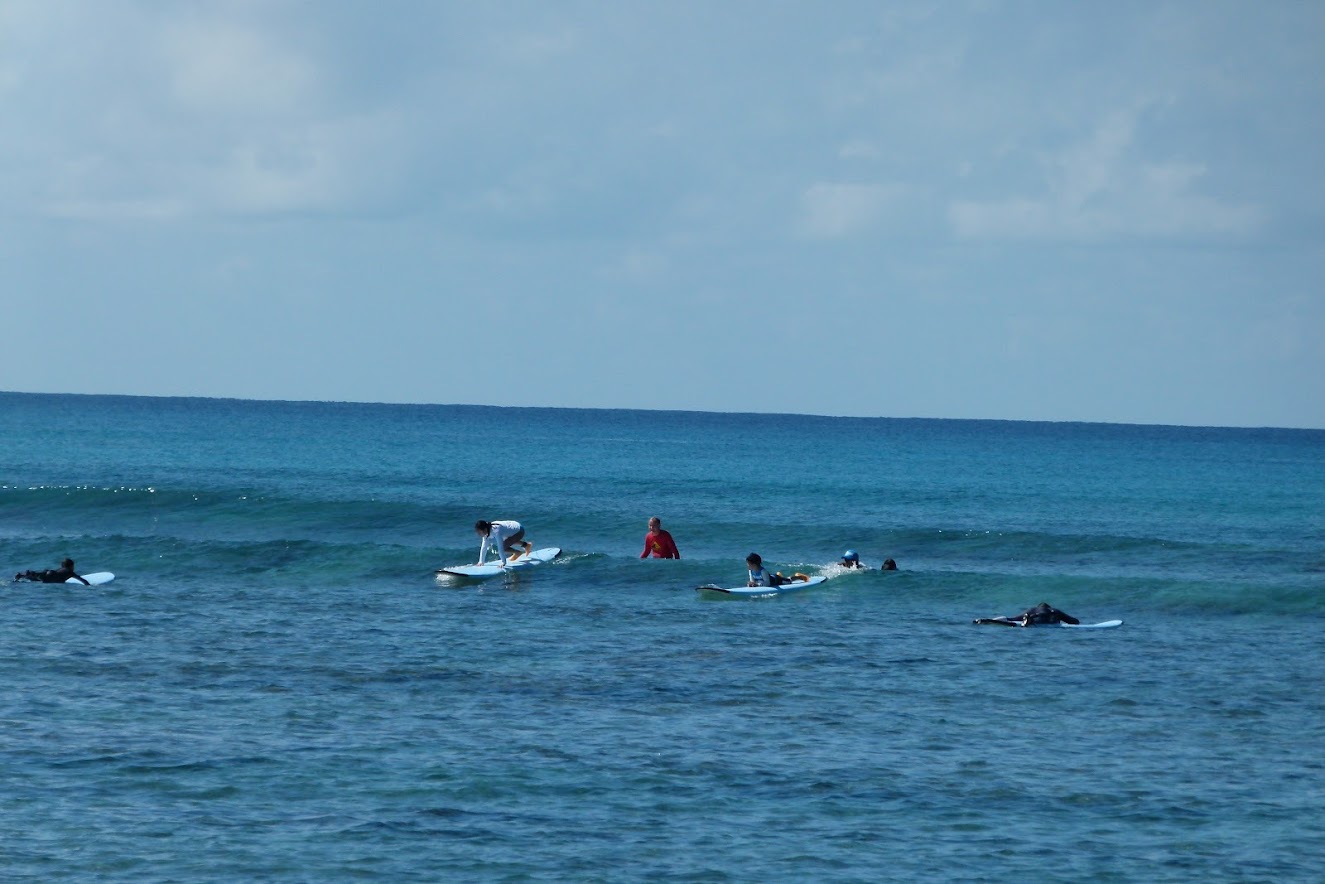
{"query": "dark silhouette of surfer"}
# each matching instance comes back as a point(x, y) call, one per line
point(52, 575)
point(1042, 614)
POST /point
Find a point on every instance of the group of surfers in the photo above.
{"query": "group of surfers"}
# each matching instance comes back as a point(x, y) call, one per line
point(505, 537)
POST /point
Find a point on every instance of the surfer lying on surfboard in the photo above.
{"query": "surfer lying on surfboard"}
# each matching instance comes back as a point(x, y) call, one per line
point(53, 575)
point(1041, 615)
point(759, 576)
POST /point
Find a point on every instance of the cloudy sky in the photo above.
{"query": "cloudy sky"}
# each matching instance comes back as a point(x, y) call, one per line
point(1025, 210)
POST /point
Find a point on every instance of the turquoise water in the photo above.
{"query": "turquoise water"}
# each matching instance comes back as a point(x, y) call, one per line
point(276, 687)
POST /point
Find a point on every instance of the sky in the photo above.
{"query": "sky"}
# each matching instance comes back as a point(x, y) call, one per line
point(1018, 210)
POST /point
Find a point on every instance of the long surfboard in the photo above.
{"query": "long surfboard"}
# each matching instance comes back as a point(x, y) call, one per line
point(756, 592)
point(513, 566)
point(96, 579)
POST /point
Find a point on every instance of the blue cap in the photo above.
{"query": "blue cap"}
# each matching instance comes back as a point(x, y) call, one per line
point(850, 555)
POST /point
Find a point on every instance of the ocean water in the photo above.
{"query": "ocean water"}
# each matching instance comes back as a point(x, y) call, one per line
point(276, 687)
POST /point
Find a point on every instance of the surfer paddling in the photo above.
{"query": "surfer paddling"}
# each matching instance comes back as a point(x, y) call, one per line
point(53, 575)
point(851, 560)
point(1042, 614)
point(502, 537)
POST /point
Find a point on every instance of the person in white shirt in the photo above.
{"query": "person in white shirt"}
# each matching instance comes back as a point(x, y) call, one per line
point(502, 537)
point(758, 576)
point(761, 576)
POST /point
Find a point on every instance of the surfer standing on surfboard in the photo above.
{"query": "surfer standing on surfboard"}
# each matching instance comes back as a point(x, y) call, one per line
point(502, 536)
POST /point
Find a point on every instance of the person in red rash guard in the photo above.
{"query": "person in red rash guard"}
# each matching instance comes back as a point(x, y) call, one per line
point(659, 543)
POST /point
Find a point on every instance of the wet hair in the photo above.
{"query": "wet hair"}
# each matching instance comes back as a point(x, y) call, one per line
point(889, 565)
point(753, 559)
point(483, 526)
point(67, 563)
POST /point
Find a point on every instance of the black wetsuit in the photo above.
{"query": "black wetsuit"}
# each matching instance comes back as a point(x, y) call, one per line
point(1044, 613)
point(1040, 615)
point(50, 575)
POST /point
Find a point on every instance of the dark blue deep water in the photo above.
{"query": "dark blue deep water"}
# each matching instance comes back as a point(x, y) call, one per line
point(275, 687)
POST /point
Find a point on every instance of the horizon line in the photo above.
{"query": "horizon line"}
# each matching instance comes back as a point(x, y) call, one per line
point(279, 401)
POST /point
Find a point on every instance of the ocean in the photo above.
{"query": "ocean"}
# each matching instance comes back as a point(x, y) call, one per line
point(277, 687)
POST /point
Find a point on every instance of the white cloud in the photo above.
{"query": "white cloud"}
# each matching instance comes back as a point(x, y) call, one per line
point(1098, 188)
point(533, 47)
point(835, 210)
point(225, 67)
point(859, 150)
point(636, 265)
point(146, 209)
point(165, 113)
point(514, 200)
point(262, 178)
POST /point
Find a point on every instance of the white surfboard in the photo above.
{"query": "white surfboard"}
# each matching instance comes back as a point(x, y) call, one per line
point(757, 592)
point(513, 566)
point(1107, 624)
point(96, 579)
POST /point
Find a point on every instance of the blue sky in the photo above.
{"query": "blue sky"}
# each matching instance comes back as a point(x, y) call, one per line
point(1024, 210)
